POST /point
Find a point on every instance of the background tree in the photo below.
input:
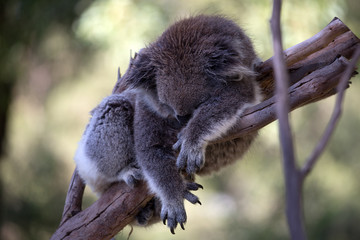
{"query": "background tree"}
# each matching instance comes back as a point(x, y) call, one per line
point(28, 65)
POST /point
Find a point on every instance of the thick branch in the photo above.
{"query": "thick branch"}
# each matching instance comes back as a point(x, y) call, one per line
point(318, 51)
point(107, 216)
point(315, 69)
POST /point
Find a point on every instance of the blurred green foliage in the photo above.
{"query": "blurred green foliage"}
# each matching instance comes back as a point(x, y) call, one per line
point(59, 59)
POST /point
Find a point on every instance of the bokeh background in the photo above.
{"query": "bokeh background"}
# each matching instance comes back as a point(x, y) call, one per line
point(60, 58)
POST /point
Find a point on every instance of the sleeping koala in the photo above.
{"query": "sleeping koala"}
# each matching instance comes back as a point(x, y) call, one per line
point(185, 90)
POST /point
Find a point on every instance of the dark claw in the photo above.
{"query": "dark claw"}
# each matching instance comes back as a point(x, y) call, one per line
point(164, 220)
point(119, 74)
point(172, 230)
point(200, 186)
point(194, 186)
point(182, 226)
point(198, 201)
point(191, 197)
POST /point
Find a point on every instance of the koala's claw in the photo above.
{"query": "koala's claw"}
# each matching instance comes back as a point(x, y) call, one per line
point(192, 186)
point(191, 198)
point(182, 226)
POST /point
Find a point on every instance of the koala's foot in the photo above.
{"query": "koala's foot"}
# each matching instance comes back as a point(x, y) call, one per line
point(150, 213)
point(191, 156)
point(174, 212)
point(131, 175)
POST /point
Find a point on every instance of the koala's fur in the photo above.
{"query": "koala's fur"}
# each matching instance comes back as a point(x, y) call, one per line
point(184, 90)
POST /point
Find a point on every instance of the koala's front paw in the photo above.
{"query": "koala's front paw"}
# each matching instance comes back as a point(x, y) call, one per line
point(191, 156)
point(174, 212)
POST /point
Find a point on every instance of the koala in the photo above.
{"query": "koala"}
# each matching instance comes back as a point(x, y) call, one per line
point(181, 92)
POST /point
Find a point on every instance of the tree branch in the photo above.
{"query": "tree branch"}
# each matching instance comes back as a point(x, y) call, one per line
point(107, 216)
point(315, 69)
point(74, 196)
point(293, 183)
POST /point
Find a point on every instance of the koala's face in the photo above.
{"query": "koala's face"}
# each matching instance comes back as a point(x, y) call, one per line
point(183, 93)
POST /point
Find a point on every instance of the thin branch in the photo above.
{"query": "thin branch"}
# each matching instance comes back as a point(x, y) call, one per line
point(74, 196)
point(282, 85)
point(293, 184)
point(334, 117)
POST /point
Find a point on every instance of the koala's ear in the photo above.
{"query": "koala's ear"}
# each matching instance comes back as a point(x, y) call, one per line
point(141, 71)
point(226, 63)
point(219, 60)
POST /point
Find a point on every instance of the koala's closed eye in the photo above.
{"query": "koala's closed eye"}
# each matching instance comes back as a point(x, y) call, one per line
point(183, 119)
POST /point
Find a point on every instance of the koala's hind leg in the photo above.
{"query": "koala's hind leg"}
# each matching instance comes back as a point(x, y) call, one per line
point(106, 150)
point(154, 137)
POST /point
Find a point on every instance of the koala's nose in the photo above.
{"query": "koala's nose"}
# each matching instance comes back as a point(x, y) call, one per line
point(183, 119)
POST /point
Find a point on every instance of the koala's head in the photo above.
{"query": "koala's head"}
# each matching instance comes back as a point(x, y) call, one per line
point(191, 60)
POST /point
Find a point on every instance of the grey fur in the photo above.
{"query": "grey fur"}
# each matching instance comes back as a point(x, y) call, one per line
point(106, 150)
point(187, 88)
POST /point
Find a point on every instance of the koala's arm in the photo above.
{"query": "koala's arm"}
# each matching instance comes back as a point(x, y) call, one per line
point(154, 136)
point(212, 119)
